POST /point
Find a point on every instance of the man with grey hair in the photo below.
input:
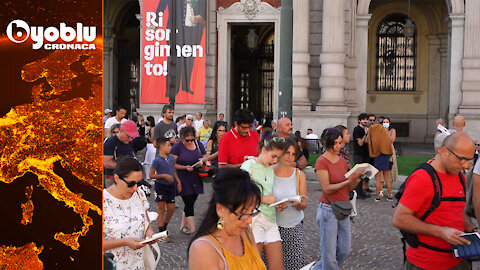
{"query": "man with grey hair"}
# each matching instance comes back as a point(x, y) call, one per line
point(188, 122)
point(438, 140)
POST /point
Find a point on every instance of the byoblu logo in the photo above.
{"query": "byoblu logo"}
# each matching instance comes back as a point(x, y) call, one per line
point(18, 31)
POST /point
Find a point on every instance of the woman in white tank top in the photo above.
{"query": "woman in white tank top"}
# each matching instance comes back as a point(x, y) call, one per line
point(290, 181)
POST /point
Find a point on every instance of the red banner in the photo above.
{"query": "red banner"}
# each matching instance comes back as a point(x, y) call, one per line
point(186, 69)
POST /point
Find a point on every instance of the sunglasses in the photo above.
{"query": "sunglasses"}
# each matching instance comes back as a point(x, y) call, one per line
point(246, 216)
point(462, 159)
point(371, 120)
point(131, 183)
point(130, 137)
point(477, 144)
point(189, 140)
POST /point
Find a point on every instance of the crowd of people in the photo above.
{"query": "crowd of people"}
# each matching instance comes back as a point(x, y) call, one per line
point(257, 166)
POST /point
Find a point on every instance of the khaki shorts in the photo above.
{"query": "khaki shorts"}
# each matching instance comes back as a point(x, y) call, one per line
point(264, 230)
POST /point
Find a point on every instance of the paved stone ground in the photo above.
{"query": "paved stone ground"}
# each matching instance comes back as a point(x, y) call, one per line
point(375, 243)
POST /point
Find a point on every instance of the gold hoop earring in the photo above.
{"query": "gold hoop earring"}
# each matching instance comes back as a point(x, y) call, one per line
point(220, 224)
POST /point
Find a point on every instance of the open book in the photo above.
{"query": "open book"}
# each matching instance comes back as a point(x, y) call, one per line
point(289, 200)
point(370, 171)
point(155, 237)
point(468, 251)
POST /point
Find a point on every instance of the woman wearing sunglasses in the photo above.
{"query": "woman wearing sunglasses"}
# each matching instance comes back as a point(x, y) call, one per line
point(223, 240)
point(124, 217)
point(186, 153)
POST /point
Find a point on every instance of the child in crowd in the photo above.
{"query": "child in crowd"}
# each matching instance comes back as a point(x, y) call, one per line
point(166, 183)
point(264, 227)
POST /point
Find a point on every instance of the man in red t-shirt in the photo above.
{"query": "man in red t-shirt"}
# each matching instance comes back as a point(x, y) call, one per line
point(445, 224)
point(239, 142)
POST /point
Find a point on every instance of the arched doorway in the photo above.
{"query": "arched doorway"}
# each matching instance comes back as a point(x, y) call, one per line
point(122, 54)
point(253, 70)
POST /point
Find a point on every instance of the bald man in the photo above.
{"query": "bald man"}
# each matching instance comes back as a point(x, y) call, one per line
point(285, 129)
point(445, 224)
point(458, 123)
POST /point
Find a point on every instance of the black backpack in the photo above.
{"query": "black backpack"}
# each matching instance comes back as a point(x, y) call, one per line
point(411, 238)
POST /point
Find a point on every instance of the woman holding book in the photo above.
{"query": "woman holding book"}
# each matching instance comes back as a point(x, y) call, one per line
point(290, 182)
point(224, 239)
point(187, 153)
point(335, 235)
point(124, 217)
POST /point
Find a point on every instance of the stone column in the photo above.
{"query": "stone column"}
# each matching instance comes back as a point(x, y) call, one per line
point(332, 58)
point(434, 85)
point(470, 103)
point(139, 18)
point(361, 51)
point(331, 110)
point(300, 57)
point(108, 71)
point(455, 55)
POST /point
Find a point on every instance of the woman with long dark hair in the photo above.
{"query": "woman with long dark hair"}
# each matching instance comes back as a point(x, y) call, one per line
point(222, 241)
point(214, 141)
point(335, 234)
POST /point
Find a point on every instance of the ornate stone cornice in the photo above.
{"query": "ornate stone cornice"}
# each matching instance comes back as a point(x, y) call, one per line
point(249, 7)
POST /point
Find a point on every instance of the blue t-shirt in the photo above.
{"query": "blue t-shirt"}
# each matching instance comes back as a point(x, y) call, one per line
point(116, 148)
point(164, 166)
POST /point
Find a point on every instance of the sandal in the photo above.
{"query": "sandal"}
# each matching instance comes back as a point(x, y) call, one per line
point(185, 230)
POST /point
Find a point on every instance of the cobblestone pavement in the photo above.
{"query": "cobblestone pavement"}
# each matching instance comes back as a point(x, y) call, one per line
point(375, 243)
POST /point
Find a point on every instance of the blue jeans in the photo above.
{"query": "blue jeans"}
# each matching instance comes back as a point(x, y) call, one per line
point(335, 238)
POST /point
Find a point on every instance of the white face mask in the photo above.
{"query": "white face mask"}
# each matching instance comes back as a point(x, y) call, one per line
point(386, 125)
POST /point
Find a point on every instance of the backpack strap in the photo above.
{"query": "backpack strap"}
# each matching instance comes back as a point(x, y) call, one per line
point(437, 198)
point(437, 186)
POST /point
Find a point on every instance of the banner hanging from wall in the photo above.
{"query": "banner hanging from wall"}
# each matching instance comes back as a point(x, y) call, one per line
point(181, 73)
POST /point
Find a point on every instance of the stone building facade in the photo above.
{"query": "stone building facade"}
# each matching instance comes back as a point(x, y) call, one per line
point(343, 63)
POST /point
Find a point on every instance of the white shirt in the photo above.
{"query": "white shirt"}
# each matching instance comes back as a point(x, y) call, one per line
point(198, 124)
point(476, 169)
point(124, 219)
point(312, 136)
point(112, 120)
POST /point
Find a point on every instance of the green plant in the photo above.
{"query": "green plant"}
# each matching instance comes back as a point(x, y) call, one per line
point(406, 164)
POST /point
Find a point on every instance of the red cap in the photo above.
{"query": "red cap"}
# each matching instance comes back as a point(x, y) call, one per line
point(130, 128)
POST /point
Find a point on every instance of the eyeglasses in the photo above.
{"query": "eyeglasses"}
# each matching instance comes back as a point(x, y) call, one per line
point(189, 119)
point(130, 137)
point(246, 216)
point(462, 159)
point(131, 183)
point(245, 127)
point(221, 130)
point(189, 140)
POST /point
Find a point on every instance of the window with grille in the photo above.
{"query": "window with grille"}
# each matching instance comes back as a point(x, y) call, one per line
point(396, 56)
